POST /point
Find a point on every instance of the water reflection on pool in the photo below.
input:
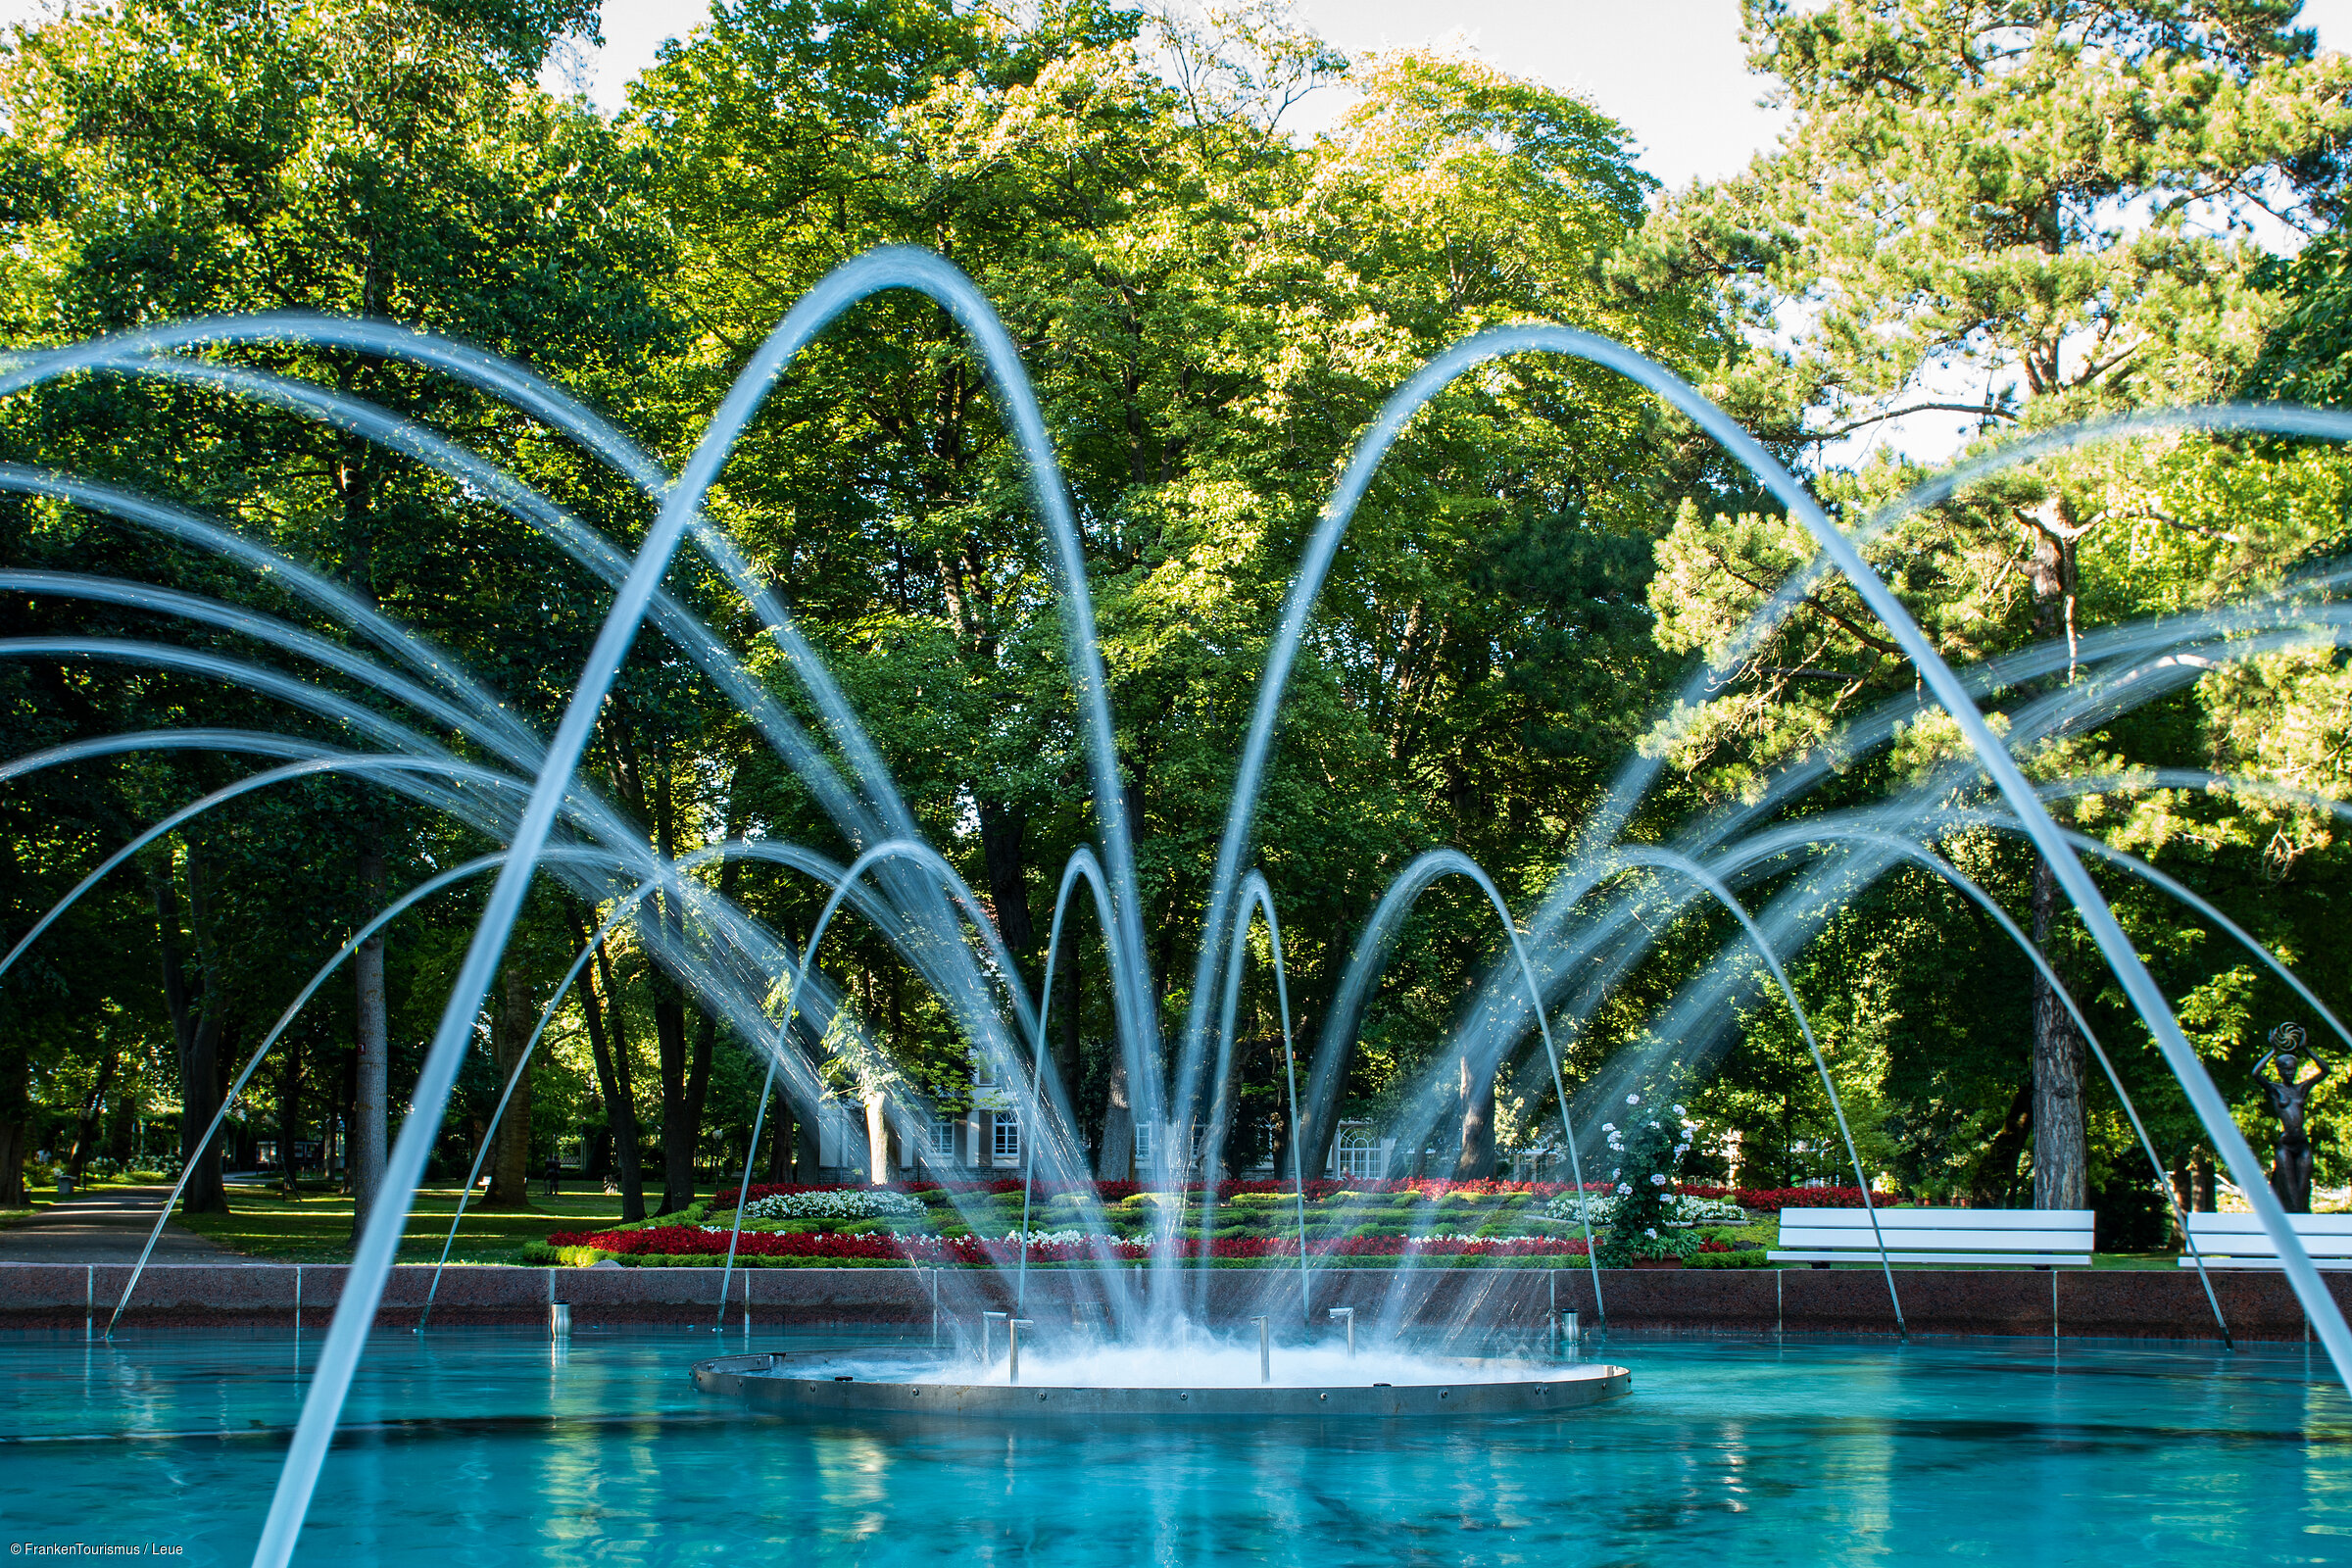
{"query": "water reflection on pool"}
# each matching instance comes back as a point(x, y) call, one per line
point(475, 1445)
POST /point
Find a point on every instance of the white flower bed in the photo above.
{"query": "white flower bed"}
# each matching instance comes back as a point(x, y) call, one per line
point(850, 1202)
point(1682, 1210)
point(1049, 1238)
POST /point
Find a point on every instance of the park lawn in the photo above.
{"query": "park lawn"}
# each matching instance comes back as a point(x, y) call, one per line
point(43, 1197)
point(317, 1229)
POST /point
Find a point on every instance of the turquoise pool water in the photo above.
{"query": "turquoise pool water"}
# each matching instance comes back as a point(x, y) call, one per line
point(485, 1447)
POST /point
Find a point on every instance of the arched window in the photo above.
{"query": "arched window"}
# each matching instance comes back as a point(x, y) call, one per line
point(1359, 1155)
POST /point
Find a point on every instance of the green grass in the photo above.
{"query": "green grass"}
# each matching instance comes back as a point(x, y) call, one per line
point(317, 1229)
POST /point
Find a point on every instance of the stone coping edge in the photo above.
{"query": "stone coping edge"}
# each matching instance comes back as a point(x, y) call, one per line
point(2101, 1303)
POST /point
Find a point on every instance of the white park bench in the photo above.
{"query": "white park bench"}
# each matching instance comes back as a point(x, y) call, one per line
point(2237, 1240)
point(2039, 1238)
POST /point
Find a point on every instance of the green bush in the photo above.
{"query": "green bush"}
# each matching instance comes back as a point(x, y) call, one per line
point(538, 1254)
point(1739, 1259)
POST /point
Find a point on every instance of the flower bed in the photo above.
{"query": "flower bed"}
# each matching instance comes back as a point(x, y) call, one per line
point(1680, 1208)
point(1754, 1199)
point(838, 1202)
point(1772, 1200)
point(1317, 1190)
point(705, 1241)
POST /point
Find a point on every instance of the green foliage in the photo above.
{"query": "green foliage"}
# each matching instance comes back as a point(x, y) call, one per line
point(1647, 1144)
point(1213, 311)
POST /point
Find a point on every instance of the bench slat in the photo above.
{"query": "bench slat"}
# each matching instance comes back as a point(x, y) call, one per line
point(1871, 1256)
point(2203, 1225)
point(2040, 1238)
point(2000, 1241)
point(2254, 1246)
point(1970, 1219)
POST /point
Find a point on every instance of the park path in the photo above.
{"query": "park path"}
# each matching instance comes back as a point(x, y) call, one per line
point(107, 1226)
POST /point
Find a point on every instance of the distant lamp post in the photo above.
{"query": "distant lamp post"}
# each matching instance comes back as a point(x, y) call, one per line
point(2283, 1079)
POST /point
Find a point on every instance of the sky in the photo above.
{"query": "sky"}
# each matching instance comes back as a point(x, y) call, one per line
point(1672, 72)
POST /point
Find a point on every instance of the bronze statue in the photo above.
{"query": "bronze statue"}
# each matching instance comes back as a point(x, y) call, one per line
point(2289, 1091)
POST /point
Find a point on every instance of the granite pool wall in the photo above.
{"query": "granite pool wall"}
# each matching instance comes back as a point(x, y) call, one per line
point(2105, 1304)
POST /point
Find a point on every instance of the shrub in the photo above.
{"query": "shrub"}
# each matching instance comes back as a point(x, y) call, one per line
point(1727, 1259)
point(1648, 1149)
point(835, 1203)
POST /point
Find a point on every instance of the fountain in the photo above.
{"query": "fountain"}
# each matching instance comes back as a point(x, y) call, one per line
point(1088, 1380)
point(1155, 1357)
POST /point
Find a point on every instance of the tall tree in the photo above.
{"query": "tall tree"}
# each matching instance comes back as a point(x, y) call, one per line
point(386, 158)
point(1210, 312)
point(2015, 213)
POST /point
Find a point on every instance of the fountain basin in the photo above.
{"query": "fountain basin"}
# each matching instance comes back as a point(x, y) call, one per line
point(917, 1386)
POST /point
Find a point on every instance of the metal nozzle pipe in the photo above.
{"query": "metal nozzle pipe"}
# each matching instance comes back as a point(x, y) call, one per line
point(1012, 1330)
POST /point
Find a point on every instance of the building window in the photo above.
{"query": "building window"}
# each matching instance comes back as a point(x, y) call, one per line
point(1007, 1140)
point(1358, 1156)
point(1142, 1142)
point(943, 1138)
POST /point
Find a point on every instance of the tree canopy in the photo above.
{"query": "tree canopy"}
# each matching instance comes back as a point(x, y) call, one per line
point(2000, 218)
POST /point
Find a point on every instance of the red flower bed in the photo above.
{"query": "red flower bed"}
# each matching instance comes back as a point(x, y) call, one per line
point(1764, 1199)
point(1775, 1198)
point(1320, 1187)
point(692, 1241)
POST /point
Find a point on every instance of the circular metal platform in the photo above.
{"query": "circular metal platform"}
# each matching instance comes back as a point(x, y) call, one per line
point(810, 1385)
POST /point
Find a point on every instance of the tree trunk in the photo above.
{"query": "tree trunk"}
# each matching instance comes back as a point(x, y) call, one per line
point(1996, 1172)
point(371, 1065)
point(1477, 1162)
point(85, 1125)
point(678, 1123)
point(511, 1152)
point(15, 1113)
point(2184, 1193)
point(122, 1130)
point(805, 1151)
point(347, 1101)
point(1068, 1057)
point(779, 1142)
point(609, 1045)
point(1115, 1162)
point(685, 1077)
point(2061, 1148)
point(599, 1152)
point(196, 1017)
point(289, 1113)
point(2200, 1171)
point(1001, 829)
